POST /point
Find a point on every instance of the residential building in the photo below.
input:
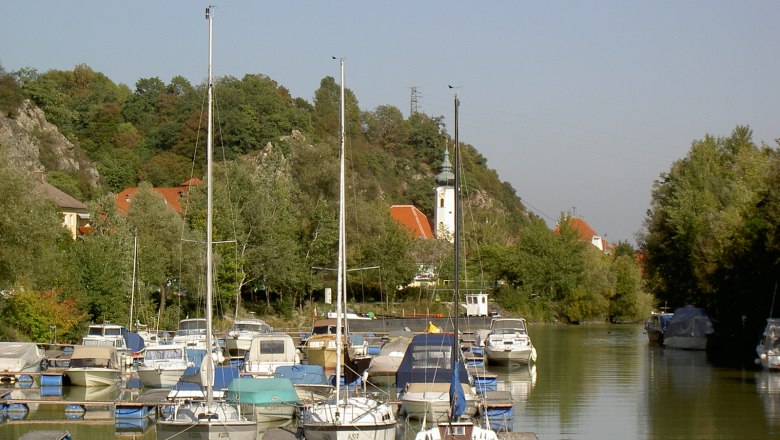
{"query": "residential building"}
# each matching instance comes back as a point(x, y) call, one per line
point(172, 195)
point(75, 215)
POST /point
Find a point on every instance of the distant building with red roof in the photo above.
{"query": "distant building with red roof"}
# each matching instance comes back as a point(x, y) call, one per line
point(172, 196)
point(413, 220)
point(586, 233)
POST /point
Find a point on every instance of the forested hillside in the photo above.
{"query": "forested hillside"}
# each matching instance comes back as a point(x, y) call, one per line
point(276, 186)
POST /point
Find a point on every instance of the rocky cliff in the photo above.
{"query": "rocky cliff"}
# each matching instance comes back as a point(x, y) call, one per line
point(32, 143)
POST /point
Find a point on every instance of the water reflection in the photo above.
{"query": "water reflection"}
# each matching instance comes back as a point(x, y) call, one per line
point(768, 388)
point(518, 381)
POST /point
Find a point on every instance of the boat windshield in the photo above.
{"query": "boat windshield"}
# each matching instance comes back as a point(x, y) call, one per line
point(324, 330)
point(431, 356)
point(90, 363)
point(251, 327)
point(509, 326)
point(194, 327)
point(99, 330)
point(156, 355)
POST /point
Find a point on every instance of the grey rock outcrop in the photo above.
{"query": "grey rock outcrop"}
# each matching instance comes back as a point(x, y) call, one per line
point(28, 138)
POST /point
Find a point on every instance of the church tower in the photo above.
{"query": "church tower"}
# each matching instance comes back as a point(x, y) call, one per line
point(444, 214)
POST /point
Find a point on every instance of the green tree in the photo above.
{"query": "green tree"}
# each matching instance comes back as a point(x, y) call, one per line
point(697, 211)
point(35, 246)
point(161, 253)
point(10, 93)
point(327, 108)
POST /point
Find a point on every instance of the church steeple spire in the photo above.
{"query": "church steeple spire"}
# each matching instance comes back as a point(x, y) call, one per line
point(446, 177)
point(444, 213)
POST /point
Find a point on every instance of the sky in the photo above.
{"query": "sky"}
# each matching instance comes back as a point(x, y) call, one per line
point(579, 105)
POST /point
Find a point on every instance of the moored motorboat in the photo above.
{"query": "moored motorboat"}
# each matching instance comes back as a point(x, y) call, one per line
point(382, 369)
point(94, 366)
point(239, 337)
point(191, 333)
point(768, 349)
point(508, 343)
point(689, 329)
point(425, 375)
point(163, 365)
point(20, 357)
point(269, 351)
point(656, 325)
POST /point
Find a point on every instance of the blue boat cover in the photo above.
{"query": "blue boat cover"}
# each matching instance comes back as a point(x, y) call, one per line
point(190, 380)
point(689, 321)
point(302, 374)
point(428, 359)
point(133, 340)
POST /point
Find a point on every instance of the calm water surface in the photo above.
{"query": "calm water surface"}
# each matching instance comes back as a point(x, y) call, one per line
point(591, 382)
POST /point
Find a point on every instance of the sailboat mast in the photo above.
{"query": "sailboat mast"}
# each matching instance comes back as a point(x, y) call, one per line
point(132, 282)
point(342, 233)
point(209, 219)
point(456, 230)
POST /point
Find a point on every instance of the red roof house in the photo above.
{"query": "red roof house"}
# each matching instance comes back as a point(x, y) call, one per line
point(585, 231)
point(172, 196)
point(412, 219)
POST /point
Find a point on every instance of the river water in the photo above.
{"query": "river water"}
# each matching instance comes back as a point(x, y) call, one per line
point(590, 382)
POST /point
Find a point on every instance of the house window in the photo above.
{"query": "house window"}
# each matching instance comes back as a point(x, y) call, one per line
point(441, 202)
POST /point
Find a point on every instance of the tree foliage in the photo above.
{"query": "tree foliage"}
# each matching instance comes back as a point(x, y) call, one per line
point(711, 230)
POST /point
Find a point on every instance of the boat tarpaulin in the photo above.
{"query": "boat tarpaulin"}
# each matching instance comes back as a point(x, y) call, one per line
point(689, 321)
point(19, 356)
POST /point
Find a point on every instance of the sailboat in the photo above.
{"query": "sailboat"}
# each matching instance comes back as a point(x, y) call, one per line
point(209, 419)
point(455, 428)
point(344, 417)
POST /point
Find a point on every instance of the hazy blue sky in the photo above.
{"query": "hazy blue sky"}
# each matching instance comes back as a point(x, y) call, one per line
point(580, 105)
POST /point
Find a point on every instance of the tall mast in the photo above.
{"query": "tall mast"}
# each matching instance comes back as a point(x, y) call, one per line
point(342, 247)
point(209, 220)
point(132, 282)
point(456, 291)
point(456, 394)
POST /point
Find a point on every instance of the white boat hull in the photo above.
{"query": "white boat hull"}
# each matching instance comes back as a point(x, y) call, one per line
point(433, 402)
point(361, 418)
point(456, 430)
point(686, 342)
point(93, 377)
point(190, 422)
point(521, 356)
point(238, 346)
point(159, 378)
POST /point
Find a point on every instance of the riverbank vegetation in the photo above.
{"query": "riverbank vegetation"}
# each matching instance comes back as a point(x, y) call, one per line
point(275, 213)
point(712, 233)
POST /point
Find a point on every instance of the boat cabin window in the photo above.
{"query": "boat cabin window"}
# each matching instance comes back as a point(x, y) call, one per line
point(272, 347)
point(456, 430)
point(156, 355)
point(90, 363)
point(427, 356)
point(508, 326)
point(324, 330)
point(192, 327)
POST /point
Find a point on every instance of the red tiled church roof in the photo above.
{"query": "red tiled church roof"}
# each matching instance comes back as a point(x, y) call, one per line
point(412, 219)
